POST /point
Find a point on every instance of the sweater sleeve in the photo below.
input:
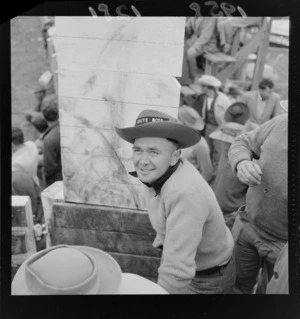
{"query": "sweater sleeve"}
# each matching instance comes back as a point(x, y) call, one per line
point(248, 146)
point(188, 212)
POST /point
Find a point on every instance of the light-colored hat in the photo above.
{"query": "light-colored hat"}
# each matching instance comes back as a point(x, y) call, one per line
point(44, 82)
point(228, 132)
point(133, 284)
point(68, 270)
point(209, 80)
point(190, 117)
point(151, 123)
point(284, 105)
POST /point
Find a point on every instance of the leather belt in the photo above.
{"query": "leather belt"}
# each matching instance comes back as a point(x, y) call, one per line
point(212, 270)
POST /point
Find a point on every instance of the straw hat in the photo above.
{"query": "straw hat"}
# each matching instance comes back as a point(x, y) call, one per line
point(44, 82)
point(190, 117)
point(151, 123)
point(209, 80)
point(67, 270)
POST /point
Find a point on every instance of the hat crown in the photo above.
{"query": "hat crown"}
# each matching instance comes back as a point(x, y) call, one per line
point(188, 115)
point(209, 80)
point(63, 267)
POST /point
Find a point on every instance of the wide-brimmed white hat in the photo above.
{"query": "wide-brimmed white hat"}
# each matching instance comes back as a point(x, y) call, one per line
point(150, 123)
point(227, 132)
point(190, 117)
point(284, 104)
point(67, 270)
point(209, 80)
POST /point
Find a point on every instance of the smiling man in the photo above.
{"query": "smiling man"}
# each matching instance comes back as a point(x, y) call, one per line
point(183, 210)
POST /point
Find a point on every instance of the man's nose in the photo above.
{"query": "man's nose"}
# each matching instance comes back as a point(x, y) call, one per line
point(144, 158)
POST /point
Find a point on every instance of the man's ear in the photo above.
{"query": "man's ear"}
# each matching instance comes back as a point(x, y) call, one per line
point(175, 157)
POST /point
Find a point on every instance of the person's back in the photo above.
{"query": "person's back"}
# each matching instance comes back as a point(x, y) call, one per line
point(267, 202)
point(229, 190)
point(51, 142)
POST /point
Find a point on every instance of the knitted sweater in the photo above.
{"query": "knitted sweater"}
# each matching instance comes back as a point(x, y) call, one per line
point(267, 202)
point(190, 224)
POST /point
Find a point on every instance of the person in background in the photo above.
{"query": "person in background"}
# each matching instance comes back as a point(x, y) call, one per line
point(24, 171)
point(51, 157)
point(229, 190)
point(260, 231)
point(263, 103)
point(200, 38)
point(45, 87)
point(234, 93)
point(211, 105)
point(198, 154)
point(197, 246)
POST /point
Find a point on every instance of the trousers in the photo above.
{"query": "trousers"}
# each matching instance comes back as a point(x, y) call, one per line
point(252, 252)
point(220, 281)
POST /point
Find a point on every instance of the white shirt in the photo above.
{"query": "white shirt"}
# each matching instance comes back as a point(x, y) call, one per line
point(26, 157)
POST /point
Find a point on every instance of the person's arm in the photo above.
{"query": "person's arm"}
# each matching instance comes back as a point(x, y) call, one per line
point(201, 152)
point(184, 225)
point(245, 148)
point(208, 29)
point(277, 108)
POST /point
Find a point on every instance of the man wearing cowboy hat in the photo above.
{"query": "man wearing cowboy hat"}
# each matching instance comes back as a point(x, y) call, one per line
point(211, 105)
point(77, 270)
point(261, 230)
point(198, 154)
point(183, 210)
point(229, 190)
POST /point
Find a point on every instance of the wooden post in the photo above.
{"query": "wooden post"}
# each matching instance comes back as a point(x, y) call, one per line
point(261, 54)
point(241, 57)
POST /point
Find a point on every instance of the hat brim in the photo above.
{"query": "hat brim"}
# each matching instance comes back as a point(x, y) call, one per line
point(108, 269)
point(133, 284)
point(203, 82)
point(184, 135)
point(221, 136)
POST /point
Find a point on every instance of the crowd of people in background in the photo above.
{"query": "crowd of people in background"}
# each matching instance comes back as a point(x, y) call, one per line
point(242, 157)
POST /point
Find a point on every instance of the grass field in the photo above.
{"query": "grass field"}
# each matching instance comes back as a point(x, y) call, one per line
point(28, 62)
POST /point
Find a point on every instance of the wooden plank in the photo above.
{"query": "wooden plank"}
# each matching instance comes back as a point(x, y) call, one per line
point(142, 29)
point(103, 114)
point(121, 87)
point(101, 218)
point(79, 189)
point(241, 56)
point(109, 241)
point(219, 57)
point(97, 54)
point(262, 52)
point(143, 266)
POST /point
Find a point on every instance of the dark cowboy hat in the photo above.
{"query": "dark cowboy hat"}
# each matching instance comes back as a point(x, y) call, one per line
point(151, 123)
point(237, 112)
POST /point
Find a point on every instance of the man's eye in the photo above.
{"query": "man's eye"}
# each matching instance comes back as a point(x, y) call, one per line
point(154, 153)
point(136, 151)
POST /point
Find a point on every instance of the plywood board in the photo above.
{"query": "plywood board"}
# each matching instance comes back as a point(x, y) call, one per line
point(168, 30)
point(103, 114)
point(120, 87)
point(132, 57)
point(100, 218)
point(78, 189)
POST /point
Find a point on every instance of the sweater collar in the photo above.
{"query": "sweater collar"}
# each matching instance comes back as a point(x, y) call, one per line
point(158, 184)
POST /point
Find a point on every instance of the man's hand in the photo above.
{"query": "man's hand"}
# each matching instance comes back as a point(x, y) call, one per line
point(249, 173)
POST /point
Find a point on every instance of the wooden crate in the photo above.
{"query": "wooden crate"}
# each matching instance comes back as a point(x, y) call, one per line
point(125, 234)
point(23, 241)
